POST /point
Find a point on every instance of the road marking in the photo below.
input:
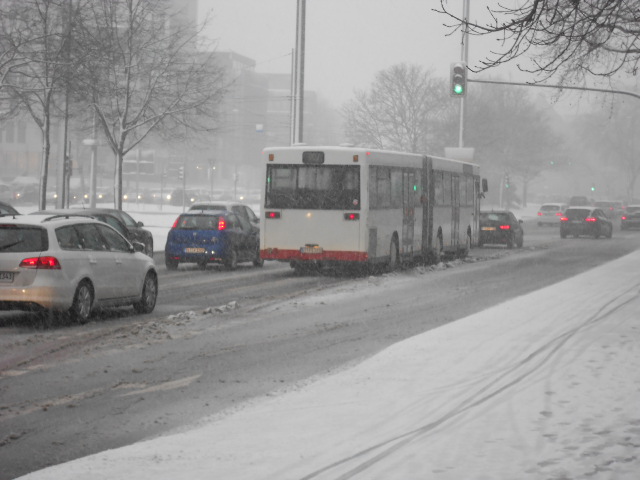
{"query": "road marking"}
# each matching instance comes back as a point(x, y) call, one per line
point(183, 382)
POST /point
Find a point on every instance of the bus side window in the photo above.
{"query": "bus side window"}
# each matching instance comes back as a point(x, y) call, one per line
point(383, 187)
point(438, 188)
point(396, 188)
point(446, 188)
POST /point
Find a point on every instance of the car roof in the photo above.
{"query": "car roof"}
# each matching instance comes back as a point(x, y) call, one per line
point(205, 212)
point(226, 203)
point(43, 218)
point(558, 204)
point(495, 211)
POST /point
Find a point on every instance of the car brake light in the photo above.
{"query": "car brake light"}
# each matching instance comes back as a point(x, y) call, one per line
point(222, 224)
point(564, 219)
point(539, 214)
point(623, 217)
point(351, 216)
point(558, 214)
point(175, 224)
point(505, 227)
point(590, 219)
point(272, 214)
point(41, 263)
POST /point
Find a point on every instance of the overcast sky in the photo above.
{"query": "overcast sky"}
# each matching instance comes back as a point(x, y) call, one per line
point(347, 41)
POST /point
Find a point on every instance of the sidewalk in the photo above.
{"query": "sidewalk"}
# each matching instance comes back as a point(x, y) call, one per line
point(546, 386)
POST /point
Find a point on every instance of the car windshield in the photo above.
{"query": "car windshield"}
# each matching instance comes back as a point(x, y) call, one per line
point(577, 213)
point(19, 238)
point(198, 222)
point(210, 206)
point(495, 217)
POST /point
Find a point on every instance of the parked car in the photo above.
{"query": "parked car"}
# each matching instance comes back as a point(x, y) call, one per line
point(631, 217)
point(121, 221)
point(550, 213)
point(613, 210)
point(6, 209)
point(589, 221)
point(500, 227)
point(212, 236)
point(241, 209)
point(6, 192)
point(71, 264)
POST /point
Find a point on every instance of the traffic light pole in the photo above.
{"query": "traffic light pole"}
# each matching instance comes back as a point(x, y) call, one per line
point(559, 87)
point(464, 55)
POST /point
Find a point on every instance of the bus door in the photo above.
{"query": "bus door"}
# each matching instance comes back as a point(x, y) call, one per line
point(455, 210)
point(409, 179)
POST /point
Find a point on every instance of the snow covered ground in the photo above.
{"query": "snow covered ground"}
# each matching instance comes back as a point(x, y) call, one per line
point(545, 386)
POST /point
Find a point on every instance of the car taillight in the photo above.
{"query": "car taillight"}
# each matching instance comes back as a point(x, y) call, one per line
point(558, 214)
point(272, 214)
point(222, 224)
point(564, 219)
point(175, 224)
point(623, 217)
point(505, 227)
point(590, 219)
point(41, 263)
point(351, 216)
point(539, 214)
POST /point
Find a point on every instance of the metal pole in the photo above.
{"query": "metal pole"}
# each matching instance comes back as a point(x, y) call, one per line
point(299, 96)
point(292, 127)
point(93, 170)
point(464, 56)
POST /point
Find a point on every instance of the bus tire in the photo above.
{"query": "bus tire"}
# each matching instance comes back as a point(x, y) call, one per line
point(394, 254)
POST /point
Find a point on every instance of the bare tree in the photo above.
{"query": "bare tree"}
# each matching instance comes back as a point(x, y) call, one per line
point(571, 38)
point(37, 41)
point(398, 112)
point(144, 71)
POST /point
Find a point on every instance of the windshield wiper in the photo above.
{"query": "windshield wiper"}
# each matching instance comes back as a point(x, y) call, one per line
point(9, 245)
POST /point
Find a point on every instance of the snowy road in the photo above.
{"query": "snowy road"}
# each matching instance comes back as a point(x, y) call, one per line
point(116, 382)
point(542, 386)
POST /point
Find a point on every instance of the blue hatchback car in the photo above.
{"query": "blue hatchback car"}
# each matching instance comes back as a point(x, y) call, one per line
point(212, 237)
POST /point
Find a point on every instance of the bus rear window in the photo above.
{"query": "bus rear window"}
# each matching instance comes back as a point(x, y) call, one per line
point(323, 187)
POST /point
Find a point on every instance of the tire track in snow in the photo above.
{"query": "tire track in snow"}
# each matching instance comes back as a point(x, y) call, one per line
point(524, 368)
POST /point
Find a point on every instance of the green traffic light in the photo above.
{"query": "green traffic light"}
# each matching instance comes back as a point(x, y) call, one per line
point(458, 89)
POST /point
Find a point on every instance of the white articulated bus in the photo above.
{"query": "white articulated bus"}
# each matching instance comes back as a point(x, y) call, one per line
point(345, 206)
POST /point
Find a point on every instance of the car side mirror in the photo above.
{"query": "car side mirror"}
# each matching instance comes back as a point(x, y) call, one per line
point(140, 224)
point(138, 247)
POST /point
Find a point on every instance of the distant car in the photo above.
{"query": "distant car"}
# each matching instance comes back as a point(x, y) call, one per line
point(587, 220)
point(241, 209)
point(500, 227)
point(6, 209)
point(579, 201)
point(26, 194)
point(613, 210)
point(179, 197)
point(212, 237)
point(630, 218)
point(71, 264)
point(550, 213)
point(118, 219)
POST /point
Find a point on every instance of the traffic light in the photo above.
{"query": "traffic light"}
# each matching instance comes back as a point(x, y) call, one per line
point(181, 173)
point(458, 86)
point(593, 187)
point(506, 181)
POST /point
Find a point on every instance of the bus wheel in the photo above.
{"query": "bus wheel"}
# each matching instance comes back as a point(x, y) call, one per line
point(394, 255)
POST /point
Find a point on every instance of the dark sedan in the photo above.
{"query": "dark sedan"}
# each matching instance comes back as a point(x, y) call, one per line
point(631, 217)
point(500, 227)
point(587, 221)
point(119, 220)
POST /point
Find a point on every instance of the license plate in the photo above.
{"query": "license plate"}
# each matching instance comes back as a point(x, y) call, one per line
point(488, 229)
point(6, 277)
point(576, 222)
point(311, 249)
point(194, 250)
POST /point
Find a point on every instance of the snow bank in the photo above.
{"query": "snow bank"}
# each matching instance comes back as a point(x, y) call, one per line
point(546, 386)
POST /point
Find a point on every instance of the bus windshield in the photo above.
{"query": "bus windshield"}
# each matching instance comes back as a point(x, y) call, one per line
point(324, 187)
